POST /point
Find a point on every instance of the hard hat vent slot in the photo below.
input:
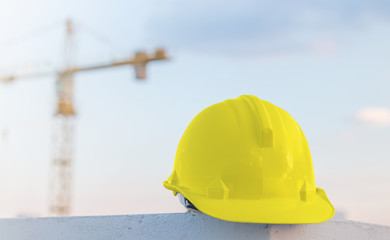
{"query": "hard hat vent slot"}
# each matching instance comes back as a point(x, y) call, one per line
point(174, 178)
point(267, 138)
point(218, 190)
point(306, 193)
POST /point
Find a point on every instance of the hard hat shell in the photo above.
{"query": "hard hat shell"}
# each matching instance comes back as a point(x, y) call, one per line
point(247, 160)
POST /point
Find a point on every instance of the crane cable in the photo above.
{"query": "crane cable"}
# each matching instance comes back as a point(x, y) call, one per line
point(28, 36)
point(113, 46)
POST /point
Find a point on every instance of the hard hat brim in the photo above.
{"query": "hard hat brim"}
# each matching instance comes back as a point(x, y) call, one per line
point(273, 211)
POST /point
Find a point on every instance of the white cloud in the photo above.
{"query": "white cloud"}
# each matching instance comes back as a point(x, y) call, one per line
point(375, 116)
point(325, 47)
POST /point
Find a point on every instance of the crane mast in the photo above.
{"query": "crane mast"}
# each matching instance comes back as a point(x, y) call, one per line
point(63, 133)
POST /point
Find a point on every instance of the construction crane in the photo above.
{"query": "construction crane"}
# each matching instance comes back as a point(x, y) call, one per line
point(61, 163)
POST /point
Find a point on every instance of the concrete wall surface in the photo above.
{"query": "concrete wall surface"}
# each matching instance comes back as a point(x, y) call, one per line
point(179, 226)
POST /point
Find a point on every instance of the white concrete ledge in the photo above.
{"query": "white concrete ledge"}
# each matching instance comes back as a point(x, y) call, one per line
point(179, 226)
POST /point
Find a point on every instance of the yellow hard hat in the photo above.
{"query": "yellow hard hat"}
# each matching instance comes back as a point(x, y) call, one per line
point(247, 160)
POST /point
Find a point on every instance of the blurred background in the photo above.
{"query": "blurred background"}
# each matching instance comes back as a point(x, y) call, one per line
point(325, 62)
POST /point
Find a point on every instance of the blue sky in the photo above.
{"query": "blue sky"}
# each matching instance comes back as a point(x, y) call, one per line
point(326, 63)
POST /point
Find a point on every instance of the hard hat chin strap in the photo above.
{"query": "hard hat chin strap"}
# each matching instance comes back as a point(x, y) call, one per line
point(187, 204)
